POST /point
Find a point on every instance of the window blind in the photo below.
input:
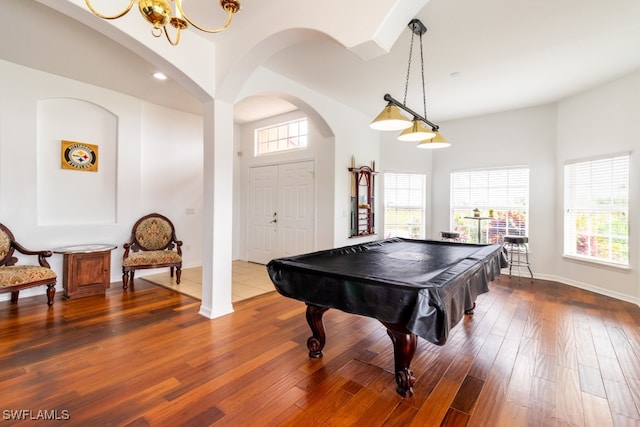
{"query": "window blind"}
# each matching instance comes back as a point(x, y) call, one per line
point(596, 203)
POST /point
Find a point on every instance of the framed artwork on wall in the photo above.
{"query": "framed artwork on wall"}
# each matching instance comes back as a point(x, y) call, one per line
point(79, 156)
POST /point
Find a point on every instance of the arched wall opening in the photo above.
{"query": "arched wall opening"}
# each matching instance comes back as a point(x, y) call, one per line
point(319, 151)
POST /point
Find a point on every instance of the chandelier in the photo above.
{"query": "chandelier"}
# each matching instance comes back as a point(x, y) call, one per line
point(418, 129)
point(159, 13)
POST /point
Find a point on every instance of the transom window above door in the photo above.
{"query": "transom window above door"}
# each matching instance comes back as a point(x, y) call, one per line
point(285, 136)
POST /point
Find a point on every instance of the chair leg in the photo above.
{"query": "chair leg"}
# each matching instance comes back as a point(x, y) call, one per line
point(527, 258)
point(14, 297)
point(51, 293)
point(131, 278)
point(171, 271)
point(178, 274)
point(125, 279)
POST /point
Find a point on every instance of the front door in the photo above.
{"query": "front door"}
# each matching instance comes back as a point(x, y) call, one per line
point(281, 213)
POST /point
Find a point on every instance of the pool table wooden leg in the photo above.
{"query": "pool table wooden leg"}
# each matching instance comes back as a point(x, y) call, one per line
point(404, 347)
point(315, 344)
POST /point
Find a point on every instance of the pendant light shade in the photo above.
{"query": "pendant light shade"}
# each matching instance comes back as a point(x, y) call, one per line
point(390, 118)
point(437, 141)
point(418, 131)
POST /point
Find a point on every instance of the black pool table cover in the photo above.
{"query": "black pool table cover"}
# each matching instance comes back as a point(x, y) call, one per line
point(422, 284)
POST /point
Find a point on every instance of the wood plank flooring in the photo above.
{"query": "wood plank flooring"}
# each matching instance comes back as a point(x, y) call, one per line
point(533, 354)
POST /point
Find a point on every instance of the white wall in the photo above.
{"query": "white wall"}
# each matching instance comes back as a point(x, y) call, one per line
point(598, 122)
point(602, 121)
point(171, 165)
point(157, 166)
point(515, 138)
point(156, 170)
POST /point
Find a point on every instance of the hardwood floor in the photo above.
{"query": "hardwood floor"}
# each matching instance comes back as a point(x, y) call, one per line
point(248, 280)
point(533, 354)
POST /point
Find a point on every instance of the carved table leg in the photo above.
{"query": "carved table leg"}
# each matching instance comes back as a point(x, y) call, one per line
point(404, 347)
point(315, 344)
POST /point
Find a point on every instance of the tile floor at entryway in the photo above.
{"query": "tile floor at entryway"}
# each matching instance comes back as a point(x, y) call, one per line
point(248, 280)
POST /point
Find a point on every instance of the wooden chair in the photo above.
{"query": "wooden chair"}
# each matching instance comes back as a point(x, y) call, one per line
point(153, 244)
point(14, 278)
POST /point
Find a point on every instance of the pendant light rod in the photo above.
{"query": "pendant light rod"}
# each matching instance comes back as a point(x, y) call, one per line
point(417, 116)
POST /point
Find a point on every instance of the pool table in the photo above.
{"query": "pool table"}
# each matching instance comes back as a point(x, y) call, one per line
point(413, 287)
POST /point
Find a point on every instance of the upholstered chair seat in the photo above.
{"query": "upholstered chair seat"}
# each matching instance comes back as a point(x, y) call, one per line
point(14, 278)
point(151, 258)
point(153, 244)
point(21, 274)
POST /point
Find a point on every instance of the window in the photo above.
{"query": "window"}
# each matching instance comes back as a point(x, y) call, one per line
point(281, 137)
point(404, 205)
point(596, 200)
point(502, 192)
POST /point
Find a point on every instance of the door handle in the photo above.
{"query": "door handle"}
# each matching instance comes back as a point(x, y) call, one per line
point(275, 218)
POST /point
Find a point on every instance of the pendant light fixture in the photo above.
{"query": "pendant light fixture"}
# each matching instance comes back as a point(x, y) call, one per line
point(391, 118)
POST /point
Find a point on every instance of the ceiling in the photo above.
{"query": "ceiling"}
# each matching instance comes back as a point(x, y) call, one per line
point(480, 57)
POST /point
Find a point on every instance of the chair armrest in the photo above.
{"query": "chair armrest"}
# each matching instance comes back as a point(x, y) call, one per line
point(41, 254)
point(126, 247)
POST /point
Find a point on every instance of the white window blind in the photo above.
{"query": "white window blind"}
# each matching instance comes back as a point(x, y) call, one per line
point(596, 202)
point(404, 205)
point(503, 191)
point(281, 137)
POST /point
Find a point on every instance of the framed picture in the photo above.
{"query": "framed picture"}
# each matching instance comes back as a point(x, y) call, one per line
point(79, 156)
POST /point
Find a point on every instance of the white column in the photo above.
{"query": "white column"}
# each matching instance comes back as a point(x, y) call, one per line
point(217, 209)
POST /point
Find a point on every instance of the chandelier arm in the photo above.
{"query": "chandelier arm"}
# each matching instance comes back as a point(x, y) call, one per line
point(416, 116)
point(99, 15)
point(173, 43)
point(229, 9)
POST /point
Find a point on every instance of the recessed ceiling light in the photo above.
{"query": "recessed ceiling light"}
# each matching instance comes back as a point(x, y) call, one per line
point(158, 75)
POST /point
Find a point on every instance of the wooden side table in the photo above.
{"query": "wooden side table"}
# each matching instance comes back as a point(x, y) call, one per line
point(86, 269)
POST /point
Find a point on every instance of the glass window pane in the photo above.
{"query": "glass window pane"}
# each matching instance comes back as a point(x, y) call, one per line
point(404, 200)
point(596, 209)
point(505, 191)
point(284, 136)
